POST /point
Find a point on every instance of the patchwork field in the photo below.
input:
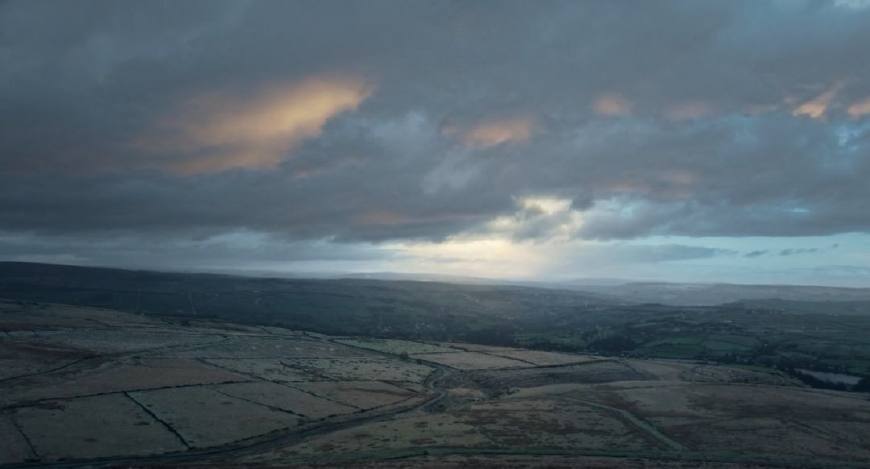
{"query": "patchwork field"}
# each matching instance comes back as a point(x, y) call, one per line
point(101, 384)
point(206, 417)
point(471, 360)
point(261, 345)
point(269, 369)
point(354, 369)
point(227, 394)
point(533, 357)
point(119, 376)
point(14, 448)
point(396, 347)
point(91, 427)
point(554, 422)
point(301, 403)
point(422, 431)
point(359, 394)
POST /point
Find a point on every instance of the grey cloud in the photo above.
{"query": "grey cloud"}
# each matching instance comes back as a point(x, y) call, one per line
point(234, 251)
point(622, 254)
point(674, 252)
point(794, 251)
point(80, 82)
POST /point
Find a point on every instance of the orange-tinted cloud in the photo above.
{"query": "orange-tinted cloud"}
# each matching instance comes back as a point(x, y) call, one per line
point(612, 105)
point(859, 108)
point(226, 132)
point(498, 131)
point(818, 106)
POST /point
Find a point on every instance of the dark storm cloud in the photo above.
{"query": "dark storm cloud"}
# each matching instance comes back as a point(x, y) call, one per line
point(688, 118)
point(789, 251)
point(240, 251)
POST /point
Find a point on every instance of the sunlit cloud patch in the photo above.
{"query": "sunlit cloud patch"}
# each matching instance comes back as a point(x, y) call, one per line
point(219, 131)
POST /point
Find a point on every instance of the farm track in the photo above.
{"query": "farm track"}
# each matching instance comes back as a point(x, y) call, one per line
point(638, 423)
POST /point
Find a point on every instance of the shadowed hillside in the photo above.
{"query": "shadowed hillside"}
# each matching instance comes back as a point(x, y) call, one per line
point(819, 336)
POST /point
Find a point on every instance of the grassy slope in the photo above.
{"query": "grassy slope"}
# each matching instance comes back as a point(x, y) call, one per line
point(825, 336)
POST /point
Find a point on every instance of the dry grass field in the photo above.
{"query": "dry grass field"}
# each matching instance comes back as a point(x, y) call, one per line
point(87, 386)
point(396, 347)
point(471, 360)
point(360, 369)
point(205, 417)
point(362, 395)
point(269, 369)
point(286, 398)
point(90, 427)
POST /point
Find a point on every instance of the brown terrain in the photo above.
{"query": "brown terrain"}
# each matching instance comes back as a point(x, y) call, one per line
point(96, 387)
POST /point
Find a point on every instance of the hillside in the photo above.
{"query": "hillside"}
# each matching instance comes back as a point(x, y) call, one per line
point(94, 387)
point(823, 336)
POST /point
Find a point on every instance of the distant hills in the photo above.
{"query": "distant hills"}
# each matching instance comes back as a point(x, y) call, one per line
point(341, 306)
point(786, 327)
point(669, 293)
point(597, 290)
point(701, 294)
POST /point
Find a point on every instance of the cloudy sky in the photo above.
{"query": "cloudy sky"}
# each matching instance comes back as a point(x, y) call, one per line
point(669, 140)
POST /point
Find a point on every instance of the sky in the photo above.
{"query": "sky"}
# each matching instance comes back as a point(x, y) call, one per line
point(689, 141)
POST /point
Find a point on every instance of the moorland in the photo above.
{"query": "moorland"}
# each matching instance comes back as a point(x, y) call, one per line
point(106, 367)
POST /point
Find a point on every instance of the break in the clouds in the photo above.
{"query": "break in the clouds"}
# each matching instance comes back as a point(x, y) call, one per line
point(492, 138)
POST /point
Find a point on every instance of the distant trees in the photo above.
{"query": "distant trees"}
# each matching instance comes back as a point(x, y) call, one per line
point(502, 335)
point(614, 344)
